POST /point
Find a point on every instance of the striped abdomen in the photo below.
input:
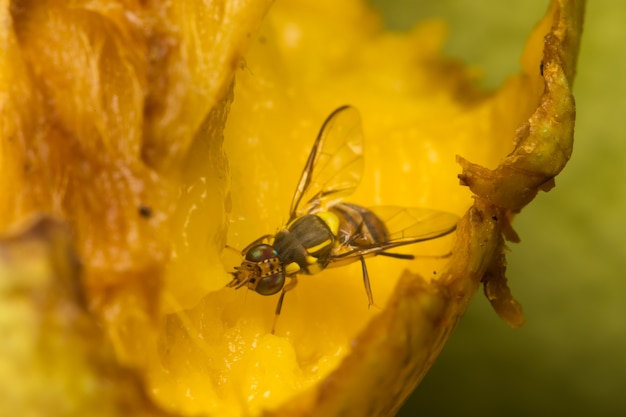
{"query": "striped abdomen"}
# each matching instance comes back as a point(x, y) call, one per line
point(358, 226)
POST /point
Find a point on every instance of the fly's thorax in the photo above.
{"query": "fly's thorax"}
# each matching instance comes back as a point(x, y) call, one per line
point(305, 244)
point(358, 226)
point(331, 220)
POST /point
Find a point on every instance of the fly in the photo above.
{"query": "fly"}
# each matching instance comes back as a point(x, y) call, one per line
point(323, 230)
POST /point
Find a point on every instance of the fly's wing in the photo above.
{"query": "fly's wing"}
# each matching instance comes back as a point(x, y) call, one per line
point(411, 224)
point(335, 165)
point(405, 226)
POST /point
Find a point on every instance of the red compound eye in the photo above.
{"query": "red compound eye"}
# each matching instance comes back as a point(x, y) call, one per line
point(271, 284)
point(260, 253)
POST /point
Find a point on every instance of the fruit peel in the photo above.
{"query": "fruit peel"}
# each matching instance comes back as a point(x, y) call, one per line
point(54, 347)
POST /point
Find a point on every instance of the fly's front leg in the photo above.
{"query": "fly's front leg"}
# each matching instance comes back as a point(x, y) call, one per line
point(288, 287)
point(230, 248)
point(262, 239)
point(366, 282)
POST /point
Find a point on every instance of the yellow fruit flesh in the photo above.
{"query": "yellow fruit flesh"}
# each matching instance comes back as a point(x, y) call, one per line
point(267, 139)
point(130, 151)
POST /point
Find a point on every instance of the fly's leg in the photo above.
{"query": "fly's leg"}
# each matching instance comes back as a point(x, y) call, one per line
point(411, 257)
point(366, 282)
point(264, 238)
point(397, 255)
point(230, 248)
point(288, 287)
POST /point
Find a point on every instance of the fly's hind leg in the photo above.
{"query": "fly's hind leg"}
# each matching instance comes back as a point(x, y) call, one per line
point(366, 282)
point(279, 306)
point(397, 255)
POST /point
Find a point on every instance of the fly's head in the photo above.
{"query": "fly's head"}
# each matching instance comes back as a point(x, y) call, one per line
point(261, 271)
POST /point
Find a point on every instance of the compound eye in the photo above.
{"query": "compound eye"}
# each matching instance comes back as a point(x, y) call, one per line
point(260, 253)
point(271, 284)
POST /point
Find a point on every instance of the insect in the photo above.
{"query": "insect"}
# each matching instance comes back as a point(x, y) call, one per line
point(323, 231)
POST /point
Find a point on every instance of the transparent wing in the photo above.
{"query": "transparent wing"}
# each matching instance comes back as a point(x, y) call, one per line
point(404, 226)
point(411, 224)
point(335, 165)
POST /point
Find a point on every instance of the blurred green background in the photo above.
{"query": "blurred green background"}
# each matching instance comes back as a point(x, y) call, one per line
point(569, 358)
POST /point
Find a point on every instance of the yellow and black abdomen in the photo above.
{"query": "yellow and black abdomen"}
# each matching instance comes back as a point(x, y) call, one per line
point(358, 227)
point(305, 245)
